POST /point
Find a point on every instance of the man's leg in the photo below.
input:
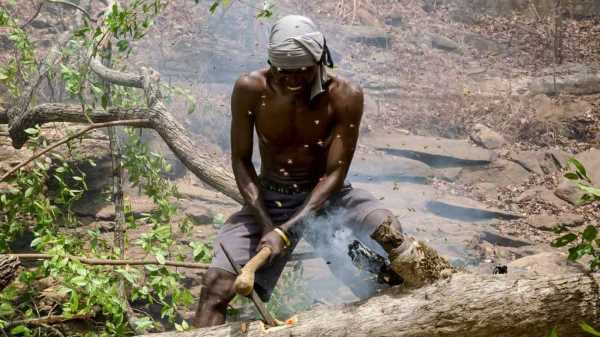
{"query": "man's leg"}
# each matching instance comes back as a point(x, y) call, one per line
point(217, 292)
point(413, 260)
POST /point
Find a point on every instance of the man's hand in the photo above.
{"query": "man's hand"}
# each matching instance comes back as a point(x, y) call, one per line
point(274, 241)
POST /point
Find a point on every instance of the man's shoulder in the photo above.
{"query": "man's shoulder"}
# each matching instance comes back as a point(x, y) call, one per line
point(341, 89)
point(253, 82)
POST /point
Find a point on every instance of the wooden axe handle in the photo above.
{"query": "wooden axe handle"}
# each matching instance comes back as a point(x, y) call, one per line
point(244, 283)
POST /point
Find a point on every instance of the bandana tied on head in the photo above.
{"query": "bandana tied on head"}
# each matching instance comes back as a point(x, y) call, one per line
point(294, 43)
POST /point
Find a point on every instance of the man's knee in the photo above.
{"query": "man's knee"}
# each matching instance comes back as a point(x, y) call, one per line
point(218, 287)
point(380, 216)
point(387, 230)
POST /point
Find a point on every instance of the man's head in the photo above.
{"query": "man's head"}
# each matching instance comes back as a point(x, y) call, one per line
point(298, 55)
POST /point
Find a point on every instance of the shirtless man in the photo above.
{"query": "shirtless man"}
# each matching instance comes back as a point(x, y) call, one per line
point(307, 124)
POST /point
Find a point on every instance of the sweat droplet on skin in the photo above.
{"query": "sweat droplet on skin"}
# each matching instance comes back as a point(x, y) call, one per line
point(340, 162)
point(338, 136)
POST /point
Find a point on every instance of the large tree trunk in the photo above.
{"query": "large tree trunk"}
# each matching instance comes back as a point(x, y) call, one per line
point(464, 306)
point(8, 269)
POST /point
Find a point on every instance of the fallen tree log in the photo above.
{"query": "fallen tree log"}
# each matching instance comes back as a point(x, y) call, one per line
point(8, 270)
point(465, 305)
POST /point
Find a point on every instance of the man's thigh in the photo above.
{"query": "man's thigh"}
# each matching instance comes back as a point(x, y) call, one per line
point(240, 235)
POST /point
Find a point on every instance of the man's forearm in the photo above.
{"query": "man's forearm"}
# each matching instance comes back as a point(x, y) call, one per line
point(316, 200)
point(247, 182)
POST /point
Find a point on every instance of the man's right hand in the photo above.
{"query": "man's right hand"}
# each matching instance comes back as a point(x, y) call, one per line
point(273, 240)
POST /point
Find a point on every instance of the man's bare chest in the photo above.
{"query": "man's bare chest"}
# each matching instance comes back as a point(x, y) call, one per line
point(283, 122)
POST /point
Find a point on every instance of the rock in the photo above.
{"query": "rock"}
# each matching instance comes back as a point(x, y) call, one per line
point(550, 263)
point(448, 173)
point(583, 83)
point(40, 24)
point(486, 137)
point(370, 36)
point(541, 193)
point(444, 43)
point(501, 172)
point(568, 191)
point(529, 160)
point(487, 190)
point(380, 167)
point(591, 161)
point(434, 151)
point(549, 222)
point(555, 160)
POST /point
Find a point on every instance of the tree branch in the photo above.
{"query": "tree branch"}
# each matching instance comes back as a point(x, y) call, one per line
point(134, 122)
point(107, 262)
point(68, 3)
point(47, 320)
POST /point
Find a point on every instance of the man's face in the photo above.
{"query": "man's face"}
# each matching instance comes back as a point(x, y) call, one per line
point(295, 80)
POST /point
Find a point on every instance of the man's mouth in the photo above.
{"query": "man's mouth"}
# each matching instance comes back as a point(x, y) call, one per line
point(295, 88)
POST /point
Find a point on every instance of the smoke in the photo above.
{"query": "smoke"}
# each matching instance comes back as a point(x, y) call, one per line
point(330, 234)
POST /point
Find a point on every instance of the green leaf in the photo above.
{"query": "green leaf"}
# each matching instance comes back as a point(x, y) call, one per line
point(579, 251)
point(589, 329)
point(31, 131)
point(590, 233)
point(571, 176)
point(28, 192)
point(6, 309)
point(104, 101)
point(20, 330)
point(213, 7)
point(143, 323)
point(553, 333)
point(564, 240)
point(123, 45)
point(580, 168)
point(160, 258)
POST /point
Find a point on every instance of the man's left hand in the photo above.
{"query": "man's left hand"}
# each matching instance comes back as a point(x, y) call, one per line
point(275, 242)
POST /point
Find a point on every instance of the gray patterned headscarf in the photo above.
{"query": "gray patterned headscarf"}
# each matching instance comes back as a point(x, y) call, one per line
point(295, 42)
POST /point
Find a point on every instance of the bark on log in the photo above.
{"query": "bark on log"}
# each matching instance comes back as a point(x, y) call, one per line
point(465, 305)
point(8, 270)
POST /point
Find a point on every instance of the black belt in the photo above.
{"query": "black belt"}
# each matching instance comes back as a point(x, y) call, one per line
point(292, 188)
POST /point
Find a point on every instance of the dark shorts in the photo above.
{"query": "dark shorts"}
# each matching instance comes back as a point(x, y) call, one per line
point(345, 210)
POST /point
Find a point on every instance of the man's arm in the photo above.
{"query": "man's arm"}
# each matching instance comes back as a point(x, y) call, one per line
point(243, 104)
point(348, 106)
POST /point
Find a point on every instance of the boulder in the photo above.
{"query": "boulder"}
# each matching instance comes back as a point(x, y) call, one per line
point(434, 151)
point(541, 193)
point(549, 263)
point(567, 190)
point(444, 43)
point(501, 172)
point(549, 222)
point(486, 137)
point(367, 35)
